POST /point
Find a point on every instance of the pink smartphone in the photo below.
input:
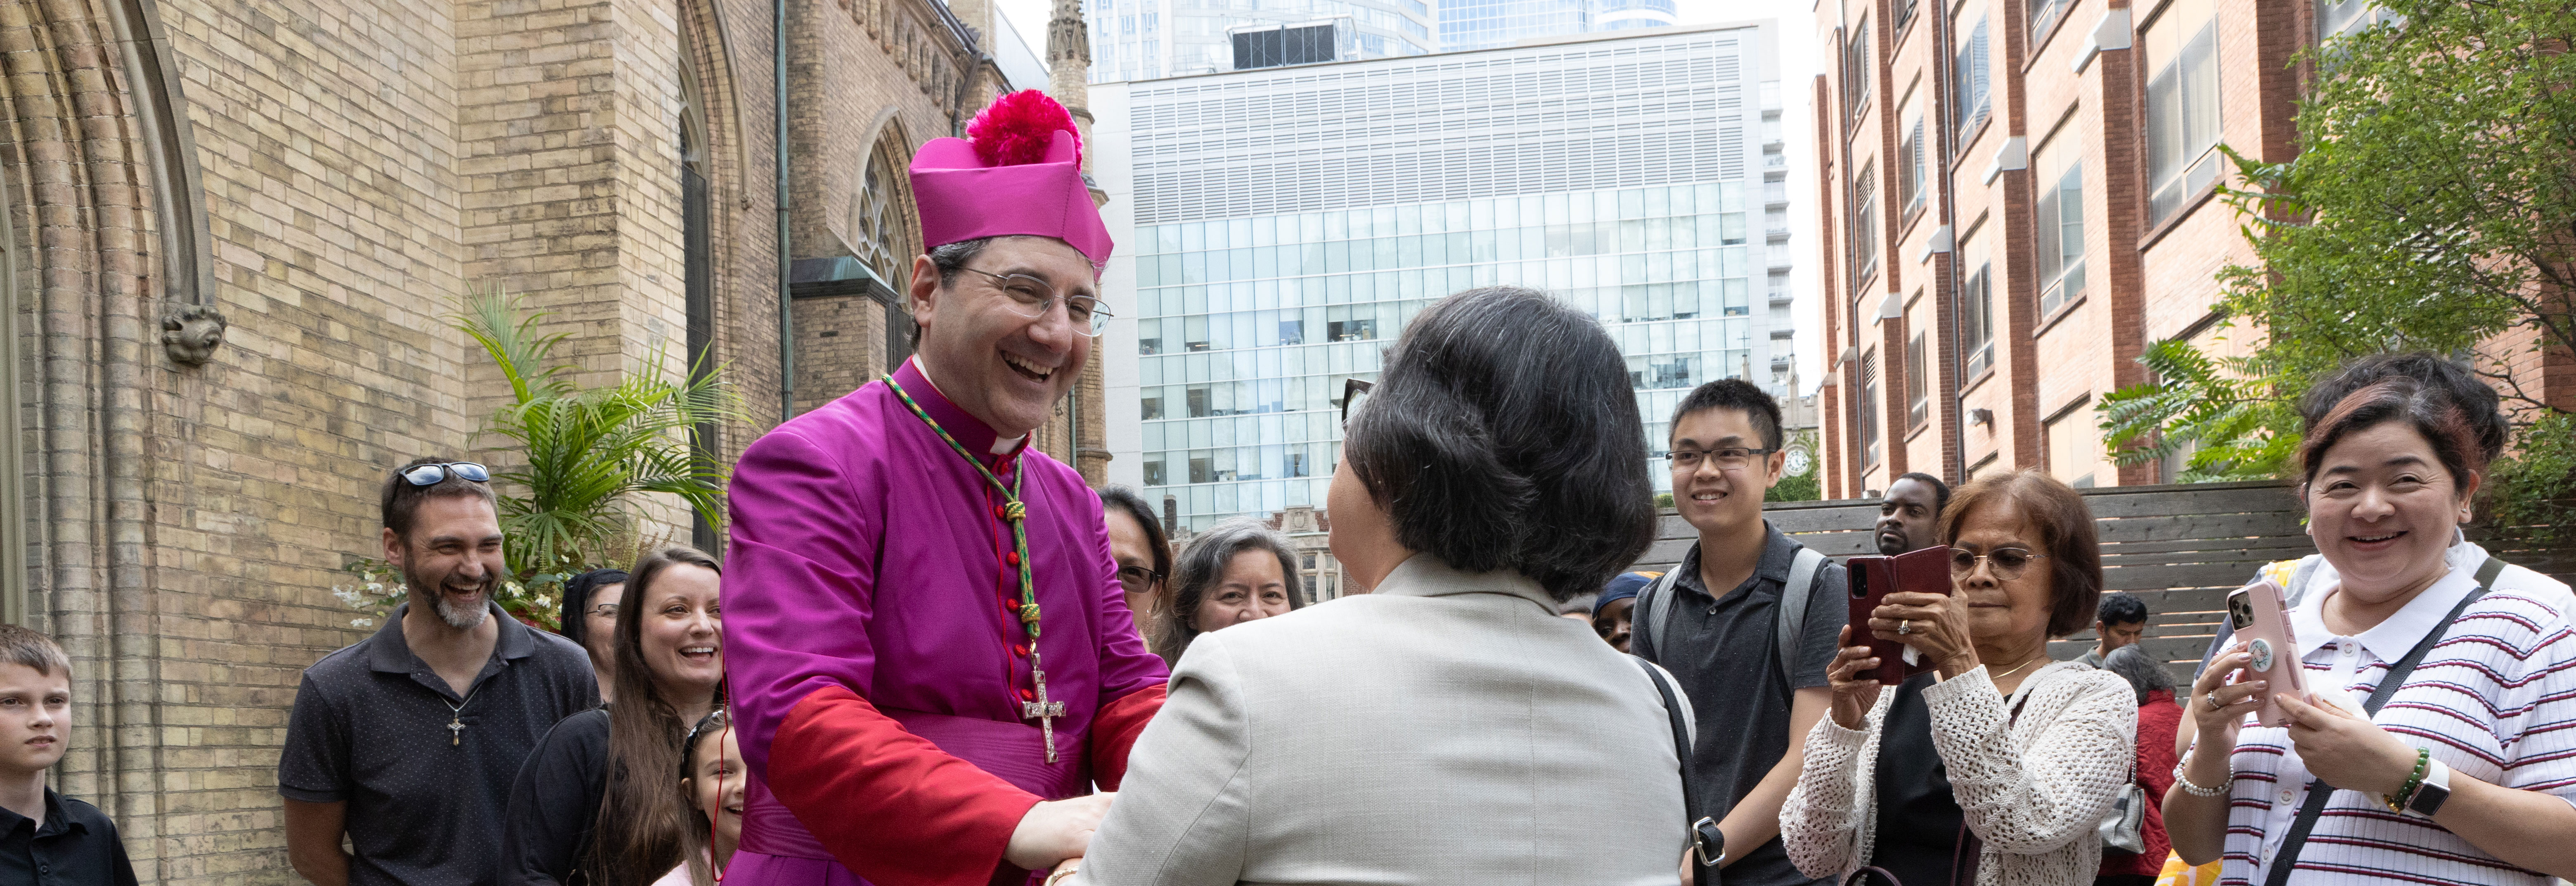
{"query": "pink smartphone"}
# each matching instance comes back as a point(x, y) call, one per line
point(2263, 625)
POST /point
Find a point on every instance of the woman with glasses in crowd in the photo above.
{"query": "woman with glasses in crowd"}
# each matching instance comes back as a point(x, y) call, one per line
point(1447, 726)
point(1142, 552)
point(590, 620)
point(1996, 766)
point(1237, 573)
point(594, 802)
point(2436, 741)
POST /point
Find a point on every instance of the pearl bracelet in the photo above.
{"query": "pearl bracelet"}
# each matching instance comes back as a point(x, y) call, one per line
point(2184, 782)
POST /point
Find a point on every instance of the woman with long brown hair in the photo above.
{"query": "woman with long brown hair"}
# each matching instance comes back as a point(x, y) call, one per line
point(594, 804)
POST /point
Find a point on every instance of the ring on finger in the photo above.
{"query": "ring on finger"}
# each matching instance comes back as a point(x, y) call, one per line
point(1904, 626)
point(2213, 702)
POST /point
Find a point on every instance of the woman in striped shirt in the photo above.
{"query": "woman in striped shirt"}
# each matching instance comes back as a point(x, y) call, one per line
point(2467, 773)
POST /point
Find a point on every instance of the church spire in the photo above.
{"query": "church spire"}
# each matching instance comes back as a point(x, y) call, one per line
point(1068, 56)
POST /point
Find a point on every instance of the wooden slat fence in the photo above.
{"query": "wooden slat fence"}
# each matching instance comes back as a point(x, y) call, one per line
point(2180, 548)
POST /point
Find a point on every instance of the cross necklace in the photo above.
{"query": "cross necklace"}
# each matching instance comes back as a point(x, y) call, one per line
point(1043, 709)
point(456, 718)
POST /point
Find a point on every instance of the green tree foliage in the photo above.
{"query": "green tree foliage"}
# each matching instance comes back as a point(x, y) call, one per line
point(2432, 206)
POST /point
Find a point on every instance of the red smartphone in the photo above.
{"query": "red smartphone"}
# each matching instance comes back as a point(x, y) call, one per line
point(1872, 579)
point(2256, 613)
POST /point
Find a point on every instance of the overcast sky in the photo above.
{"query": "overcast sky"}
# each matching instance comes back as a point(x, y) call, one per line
point(1798, 67)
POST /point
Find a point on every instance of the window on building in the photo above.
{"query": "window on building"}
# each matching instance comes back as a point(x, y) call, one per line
point(1968, 83)
point(2074, 447)
point(1918, 380)
point(697, 237)
point(1976, 312)
point(1869, 408)
point(1904, 14)
point(874, 216)
point(2339, 17)
point(2060, 223)
point(2182, 105)
point(1864, 234)
point(1857, 66)
point(1911, 170)
point(2044, 13)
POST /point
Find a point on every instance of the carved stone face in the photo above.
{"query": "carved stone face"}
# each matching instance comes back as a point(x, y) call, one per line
point(191, 334)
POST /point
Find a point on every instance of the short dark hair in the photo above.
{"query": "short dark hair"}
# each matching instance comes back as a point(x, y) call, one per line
point(1120, 498)
point(2065, 527)
point(1503, 435)
point(2143, 673)
point(576, 600)
point(950, 258)
point(1739, 395)
point(32, 648)
point(1940, 490)
point(401, 499)
point(1203, 563)
point(2428, 410)
point(2119, 608)
point(2478, 402)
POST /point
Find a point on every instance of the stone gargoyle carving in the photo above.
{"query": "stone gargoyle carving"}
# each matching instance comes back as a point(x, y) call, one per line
point(191, 333)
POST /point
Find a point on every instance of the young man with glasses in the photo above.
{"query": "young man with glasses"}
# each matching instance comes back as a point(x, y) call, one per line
point(930, 655)
point(406, 742)
point(1725, 622)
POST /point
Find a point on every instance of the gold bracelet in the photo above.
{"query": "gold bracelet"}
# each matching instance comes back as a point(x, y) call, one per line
point(1059, 875)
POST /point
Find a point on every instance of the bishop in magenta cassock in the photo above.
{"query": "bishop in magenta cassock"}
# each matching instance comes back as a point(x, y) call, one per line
point(916, 601)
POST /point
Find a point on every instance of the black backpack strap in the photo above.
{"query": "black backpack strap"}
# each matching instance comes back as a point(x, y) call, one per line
point(1705, 836)
point(2287, 859)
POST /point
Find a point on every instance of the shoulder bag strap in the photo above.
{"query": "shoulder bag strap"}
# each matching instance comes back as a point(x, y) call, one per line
point(1704, 833)
point(1793, 610)
point(2318, 792)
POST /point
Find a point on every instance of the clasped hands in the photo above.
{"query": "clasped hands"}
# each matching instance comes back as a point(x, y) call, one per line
point(2340, 747)
point(1056, 832)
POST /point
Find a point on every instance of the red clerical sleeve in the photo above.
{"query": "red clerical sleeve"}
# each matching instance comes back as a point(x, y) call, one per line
point(834, 748)
point(1114, 731)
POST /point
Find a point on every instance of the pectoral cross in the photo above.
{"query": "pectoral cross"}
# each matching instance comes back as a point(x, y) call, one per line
point(1042, 710)
point(455, 731)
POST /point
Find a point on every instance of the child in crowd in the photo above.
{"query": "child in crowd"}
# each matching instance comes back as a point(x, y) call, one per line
point(64, 839)
point(713, 787)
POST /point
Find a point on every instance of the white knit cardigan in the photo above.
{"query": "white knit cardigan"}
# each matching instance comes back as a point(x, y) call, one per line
point(2032, 788)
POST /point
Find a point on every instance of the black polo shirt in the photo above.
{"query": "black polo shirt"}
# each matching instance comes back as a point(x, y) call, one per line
point(371, 729)
point(76, 846)
point(1726, 653)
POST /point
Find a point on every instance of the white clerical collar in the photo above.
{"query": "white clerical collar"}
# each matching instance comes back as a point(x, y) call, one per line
point(1001, 445)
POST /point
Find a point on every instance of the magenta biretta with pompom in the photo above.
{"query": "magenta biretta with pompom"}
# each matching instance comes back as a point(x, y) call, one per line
point(1020, 175)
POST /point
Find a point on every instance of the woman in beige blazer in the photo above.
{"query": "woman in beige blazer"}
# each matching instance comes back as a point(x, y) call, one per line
point(1447, 727)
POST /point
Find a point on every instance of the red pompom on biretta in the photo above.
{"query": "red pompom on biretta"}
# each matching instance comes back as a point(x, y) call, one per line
point(1019, 127)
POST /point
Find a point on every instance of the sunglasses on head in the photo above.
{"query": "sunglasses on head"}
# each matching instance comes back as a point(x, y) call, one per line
point(434, 474)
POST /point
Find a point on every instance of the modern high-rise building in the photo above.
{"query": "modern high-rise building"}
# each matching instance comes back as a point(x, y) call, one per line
point(1150, 39)
point(1278, 227)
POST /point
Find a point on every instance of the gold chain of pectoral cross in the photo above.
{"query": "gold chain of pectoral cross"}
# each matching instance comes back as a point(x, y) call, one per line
point(1043, 710)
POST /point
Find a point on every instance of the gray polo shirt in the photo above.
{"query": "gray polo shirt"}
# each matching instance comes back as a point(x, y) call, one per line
point(370, 729)
point(1726, 653)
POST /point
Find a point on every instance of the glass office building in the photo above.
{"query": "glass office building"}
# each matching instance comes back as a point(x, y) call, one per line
point(1149, 39)
point(1483, 24)
point(1286, 224)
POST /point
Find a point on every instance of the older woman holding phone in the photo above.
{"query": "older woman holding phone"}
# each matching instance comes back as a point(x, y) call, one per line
point(2436, 742)
point(1995, 767)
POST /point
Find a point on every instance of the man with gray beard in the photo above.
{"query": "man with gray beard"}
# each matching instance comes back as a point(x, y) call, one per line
point(406, 742)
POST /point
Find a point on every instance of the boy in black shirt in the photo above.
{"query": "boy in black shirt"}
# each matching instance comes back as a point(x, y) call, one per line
point(45, 838)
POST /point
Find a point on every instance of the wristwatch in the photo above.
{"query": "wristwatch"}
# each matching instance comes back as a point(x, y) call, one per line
point(2430, 795)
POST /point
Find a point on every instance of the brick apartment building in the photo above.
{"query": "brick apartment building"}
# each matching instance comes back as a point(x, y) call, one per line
point(312, 181)
point(2017, 200)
